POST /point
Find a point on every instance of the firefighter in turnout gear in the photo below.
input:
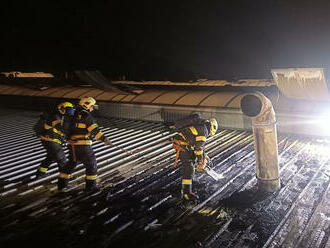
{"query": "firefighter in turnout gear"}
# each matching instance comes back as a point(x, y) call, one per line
point(52, 129)
point(83, 130)
point(189, 144)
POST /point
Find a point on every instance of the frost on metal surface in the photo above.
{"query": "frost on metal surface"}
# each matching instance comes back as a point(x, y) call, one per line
point(302, 83)
point(139, 202)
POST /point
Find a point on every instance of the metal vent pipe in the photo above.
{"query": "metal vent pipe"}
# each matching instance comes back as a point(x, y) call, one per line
point(260, 109)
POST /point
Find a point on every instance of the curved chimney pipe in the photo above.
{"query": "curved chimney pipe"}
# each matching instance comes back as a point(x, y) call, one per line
point(260, 109)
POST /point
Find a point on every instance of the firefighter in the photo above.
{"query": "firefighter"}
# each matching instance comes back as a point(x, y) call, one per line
point(52, 129)
point(189, 144)
point(83, 130)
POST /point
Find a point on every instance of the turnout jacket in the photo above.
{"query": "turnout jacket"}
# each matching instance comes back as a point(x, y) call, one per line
point(53, 125)
point(193, 138)
point(84, 128)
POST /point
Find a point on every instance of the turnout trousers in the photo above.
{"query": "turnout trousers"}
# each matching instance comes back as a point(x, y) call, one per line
point(187, 160)
point(85, 155)
point(55, 154)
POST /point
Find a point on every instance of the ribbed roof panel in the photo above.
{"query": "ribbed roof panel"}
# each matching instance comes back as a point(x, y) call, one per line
point(10, 90)
point(148, 96)
point(61, 92)
point(48, 91)
point(4, 87)
point(128, 98)
point(92, 92)
point(169, 97)
point(193, 98)
point(106, 96)
point(235, 102)
point(76, 93)
point(218, 99)
point(23, 91)
point(118, 97)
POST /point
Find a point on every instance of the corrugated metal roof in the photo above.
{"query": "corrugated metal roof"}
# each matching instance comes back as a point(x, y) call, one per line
point(137, 206)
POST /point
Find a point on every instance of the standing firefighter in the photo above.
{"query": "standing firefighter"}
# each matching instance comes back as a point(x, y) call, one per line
point(189, 145)
point(52, 129)
point(83, 130)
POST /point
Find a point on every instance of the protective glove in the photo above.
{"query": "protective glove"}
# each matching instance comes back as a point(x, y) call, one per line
point(201, 165)
point(107, 142)
point(207, 158)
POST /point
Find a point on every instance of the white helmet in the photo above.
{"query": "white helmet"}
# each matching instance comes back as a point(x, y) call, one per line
point(88, 103)
point(213, 126)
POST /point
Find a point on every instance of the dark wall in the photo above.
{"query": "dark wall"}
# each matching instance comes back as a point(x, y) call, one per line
point(31, 103)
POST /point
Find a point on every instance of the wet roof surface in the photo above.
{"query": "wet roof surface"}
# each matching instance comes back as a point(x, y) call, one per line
point(138, 205)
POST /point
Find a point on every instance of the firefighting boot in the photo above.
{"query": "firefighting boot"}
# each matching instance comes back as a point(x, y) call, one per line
point(91, 186)
point(41, 172)
point(188, 196)
point(62, 184)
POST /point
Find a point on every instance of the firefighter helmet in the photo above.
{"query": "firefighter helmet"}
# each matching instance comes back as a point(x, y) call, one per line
point(88, 103)
point(65, 108)
point(213, 126)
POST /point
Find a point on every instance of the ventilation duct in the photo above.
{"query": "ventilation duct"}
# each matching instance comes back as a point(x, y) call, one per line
point(260, 109)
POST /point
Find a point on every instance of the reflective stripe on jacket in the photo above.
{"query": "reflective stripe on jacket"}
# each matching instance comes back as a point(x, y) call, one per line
point(194, 138)
point(84, 129)
point(54, 129)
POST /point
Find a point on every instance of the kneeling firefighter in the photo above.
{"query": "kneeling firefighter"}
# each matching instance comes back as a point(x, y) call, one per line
point(83, 130)
point(52, 129)
point(189, 144)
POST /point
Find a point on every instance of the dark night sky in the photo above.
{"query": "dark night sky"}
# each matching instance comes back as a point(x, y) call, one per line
point(175, 40)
